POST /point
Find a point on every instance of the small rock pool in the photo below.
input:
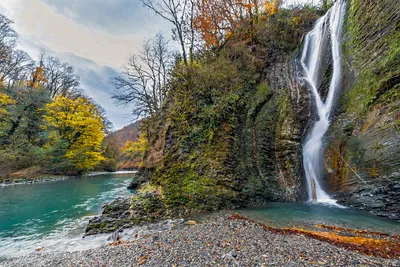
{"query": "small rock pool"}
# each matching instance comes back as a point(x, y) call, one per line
point(306, 215)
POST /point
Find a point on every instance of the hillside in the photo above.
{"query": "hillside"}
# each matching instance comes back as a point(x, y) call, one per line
point(127, 133)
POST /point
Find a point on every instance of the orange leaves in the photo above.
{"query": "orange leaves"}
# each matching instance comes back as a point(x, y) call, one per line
point(38, 76)
point(217, 20)
point(369, 243)
point(142, 260)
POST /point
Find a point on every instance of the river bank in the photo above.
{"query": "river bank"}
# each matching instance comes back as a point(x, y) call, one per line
point(40, 179)
point(221, 240)
point(52, 178)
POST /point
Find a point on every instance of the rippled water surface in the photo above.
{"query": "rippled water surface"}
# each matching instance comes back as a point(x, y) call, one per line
point(305, 215)
point(54, 214)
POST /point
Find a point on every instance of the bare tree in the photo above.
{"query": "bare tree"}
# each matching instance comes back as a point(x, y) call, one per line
point(144, 79)
point(16, 68)
point(180, 13)
point(8, 37)
point(60, 76)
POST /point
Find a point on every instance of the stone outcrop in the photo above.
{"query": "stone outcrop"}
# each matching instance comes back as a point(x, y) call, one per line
point(362, 158)
point(143, 208)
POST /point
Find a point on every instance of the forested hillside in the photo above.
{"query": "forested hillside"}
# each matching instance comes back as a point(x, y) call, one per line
point(125, 146)
point(47, 124)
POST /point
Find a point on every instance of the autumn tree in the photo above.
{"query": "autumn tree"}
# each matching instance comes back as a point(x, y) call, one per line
point(134, 152)
point(24, 116)
point(15, 68)
point(79, 124)
point(217, 20)
point(46, 121)
point(111, 153)
point(180, 13)
point(5, 102)
point(143, 83)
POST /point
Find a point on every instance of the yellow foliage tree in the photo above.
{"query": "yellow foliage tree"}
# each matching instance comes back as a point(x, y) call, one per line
point(80, 124)
point(5, 100)
point(271, 7)
point(136, 150)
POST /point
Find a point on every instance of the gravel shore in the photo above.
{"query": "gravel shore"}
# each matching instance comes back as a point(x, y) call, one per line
point(217, 241)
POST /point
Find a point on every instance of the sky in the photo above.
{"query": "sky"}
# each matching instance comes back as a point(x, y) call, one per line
point(94, 36)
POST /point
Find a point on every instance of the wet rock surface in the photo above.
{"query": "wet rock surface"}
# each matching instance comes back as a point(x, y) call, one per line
point(362, 155)
point(133, 185)
point(218, 241)
point(122, 213)
point(380, 200)
point(115, 215)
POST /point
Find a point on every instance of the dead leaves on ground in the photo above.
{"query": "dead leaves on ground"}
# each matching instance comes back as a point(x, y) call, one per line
point(369, 243)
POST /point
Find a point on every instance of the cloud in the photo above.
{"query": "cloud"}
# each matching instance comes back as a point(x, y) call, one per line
point(95, 80)
point(113, 16)
point(90, 29)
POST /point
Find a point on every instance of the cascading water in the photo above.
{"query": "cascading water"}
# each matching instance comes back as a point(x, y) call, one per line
point(327, 30)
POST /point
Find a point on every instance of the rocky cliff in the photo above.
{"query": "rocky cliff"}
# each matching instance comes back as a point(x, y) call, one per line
point(233, 128)
point(231, 132)
point(363, 154)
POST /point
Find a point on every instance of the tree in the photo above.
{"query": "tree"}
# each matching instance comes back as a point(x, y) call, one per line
point(134, 151)
point(111, 154)
point(5, 102)
point(180, 13)
point(60, 76)
point(79, 124)
point(143, 82)
point(8, 37)
point(26, 111)
point(15, 68)
point(217, 20)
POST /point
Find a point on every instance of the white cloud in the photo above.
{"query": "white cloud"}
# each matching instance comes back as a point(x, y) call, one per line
point(41, 23)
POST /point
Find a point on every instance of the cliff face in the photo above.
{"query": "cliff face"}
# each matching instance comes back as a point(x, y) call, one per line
point(235, 122)
point(232, 129)
point(363, 154)
point(269, 151)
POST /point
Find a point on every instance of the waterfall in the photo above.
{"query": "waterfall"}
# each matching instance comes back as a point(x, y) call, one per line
point(327, 31)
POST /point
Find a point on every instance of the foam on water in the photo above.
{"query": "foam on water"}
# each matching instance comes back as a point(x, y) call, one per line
point(54, 215)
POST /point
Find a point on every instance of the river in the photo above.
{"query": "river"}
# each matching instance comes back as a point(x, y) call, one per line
point(54, 215)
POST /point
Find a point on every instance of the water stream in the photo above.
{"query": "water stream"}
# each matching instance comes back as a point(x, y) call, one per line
point(54, 215)
point(327, 32)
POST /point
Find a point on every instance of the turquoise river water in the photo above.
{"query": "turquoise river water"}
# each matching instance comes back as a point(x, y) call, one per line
point(53, 215)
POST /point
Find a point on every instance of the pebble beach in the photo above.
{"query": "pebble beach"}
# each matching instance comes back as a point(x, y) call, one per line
point(218, 241)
